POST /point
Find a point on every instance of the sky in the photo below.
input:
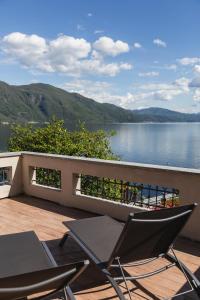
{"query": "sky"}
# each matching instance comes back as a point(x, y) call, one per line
point(131, 53)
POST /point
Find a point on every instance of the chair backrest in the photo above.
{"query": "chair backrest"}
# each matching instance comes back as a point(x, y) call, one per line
point(151, 233)
point(52, 279)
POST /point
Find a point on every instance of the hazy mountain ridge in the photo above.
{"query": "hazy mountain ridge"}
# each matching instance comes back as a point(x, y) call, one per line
point(156, 114)
point(38, 102)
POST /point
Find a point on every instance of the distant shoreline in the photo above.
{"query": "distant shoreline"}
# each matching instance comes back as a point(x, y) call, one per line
point(106, 123)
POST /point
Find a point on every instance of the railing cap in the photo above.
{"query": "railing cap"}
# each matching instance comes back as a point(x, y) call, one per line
point(10, 154)
point(115, 162)
point(102, 161)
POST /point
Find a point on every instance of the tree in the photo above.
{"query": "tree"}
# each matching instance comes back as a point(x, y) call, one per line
point(55, 138)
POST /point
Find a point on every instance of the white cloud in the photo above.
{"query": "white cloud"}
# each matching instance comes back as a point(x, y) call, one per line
point(104, 92)
point(98, 31)
point(27, 48)
point(108, 46)
point(126, 101)
point(158, 42)
point(89, 14)
point(86, 87)
point(156, 86)
point(149, 74)
point(65, 54)
point(197, 68)
point(160, 95)
point(195, 85)
point(96, 55)
point(65, 47)
point(196, 95)
point(100, 91)
point(186, 61)
point(172, 67)
point(168, 95)
point(164, 91)
point(137, 45)
point(95, 66)
point(182, 83)
point(190, 110)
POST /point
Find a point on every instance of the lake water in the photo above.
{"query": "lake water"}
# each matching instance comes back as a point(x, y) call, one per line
point(174, 144)
point(4, 134)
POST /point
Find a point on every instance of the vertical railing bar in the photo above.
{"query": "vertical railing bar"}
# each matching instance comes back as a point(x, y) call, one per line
point(164, 196)
point(141, 195)
point(3, 178)
point(156, 195)
point(149, 194)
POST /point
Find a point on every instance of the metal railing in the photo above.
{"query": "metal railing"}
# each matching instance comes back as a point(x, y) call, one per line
point(47, 177)
point(143, 195)
point(4, 176)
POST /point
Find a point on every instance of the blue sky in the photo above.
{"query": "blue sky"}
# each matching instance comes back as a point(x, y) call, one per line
point(134, 54)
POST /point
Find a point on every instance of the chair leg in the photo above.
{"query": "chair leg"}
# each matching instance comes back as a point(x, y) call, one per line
point(112, 282)
point(116, 287)
point(190, 276)
point(68, 293)
point(63, 240)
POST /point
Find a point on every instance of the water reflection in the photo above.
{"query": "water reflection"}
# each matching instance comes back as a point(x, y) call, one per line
point(175, 144)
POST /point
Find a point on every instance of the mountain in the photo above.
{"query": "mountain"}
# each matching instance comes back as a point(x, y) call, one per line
point(39, 102)
point(155, 114)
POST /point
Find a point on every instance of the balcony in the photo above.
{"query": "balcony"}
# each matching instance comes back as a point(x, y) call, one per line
point(26, 202)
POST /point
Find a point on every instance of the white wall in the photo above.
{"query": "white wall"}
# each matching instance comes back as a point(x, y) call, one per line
point(187, 181)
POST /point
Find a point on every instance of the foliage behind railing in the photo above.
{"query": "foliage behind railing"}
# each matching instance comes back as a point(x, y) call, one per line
point(132, 193)
point(129, 192)
point(48, 177)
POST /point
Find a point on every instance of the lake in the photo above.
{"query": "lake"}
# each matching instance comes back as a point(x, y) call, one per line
point(173, 144)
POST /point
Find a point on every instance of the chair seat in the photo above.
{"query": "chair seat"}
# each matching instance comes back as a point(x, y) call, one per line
point(22, 253)
point(99, 235)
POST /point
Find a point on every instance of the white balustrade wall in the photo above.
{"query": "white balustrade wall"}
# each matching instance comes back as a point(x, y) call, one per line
point(22, 180)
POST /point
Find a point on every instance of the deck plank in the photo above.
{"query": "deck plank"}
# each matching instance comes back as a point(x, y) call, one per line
point(26, 213)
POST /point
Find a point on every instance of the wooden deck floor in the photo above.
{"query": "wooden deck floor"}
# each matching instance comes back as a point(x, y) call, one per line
point(45, 218)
